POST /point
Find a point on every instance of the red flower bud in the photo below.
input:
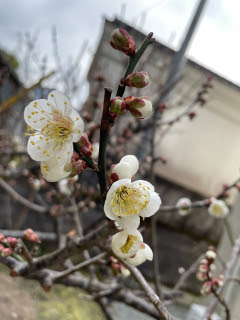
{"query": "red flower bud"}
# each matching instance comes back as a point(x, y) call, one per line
point(6, 252)
point(12, 241)
point(84, 145)
point(122, 41)
point(30, 235)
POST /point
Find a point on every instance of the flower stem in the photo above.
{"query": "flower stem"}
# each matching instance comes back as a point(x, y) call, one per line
point(134, 60)
point(229, 231)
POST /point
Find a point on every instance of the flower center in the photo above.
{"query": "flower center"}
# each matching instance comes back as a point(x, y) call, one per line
point(130, 241)
point(217, 210)
point(129, 200)
point(59, 129)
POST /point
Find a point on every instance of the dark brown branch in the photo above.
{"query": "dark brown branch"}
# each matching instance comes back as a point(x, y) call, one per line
point(105, 129)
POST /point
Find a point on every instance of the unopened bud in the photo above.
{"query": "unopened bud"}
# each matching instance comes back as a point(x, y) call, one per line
point(117, 105)
point(137, 79)
point(140, 107)
point(30, 235)
point(191, 115)
point(206, 288)
point(210, 255)
point(84, 145)
point(122, 41)
point(201, 276)
point(203, 268)
point(12, 241)
point(1, 247)
point(6, 252)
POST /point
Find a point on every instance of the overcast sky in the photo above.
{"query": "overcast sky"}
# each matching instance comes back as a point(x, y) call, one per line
point(215, 45)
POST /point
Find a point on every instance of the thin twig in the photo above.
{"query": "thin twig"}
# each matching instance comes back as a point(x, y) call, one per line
point(21, 199)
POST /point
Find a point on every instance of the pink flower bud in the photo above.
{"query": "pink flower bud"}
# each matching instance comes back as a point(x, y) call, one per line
point(1, 237)
point(201, 276)
point(117, 105)
point(206, 288)
point(1, 247)
point(30, 235)
point(137, 79)
point(122, 41)
point(76, 166)
point(12, 241)
point(6, 252)
point(140, 107)
point(85, 145)
point(203, 268)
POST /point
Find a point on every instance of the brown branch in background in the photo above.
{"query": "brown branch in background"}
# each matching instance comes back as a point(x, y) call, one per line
point(227, 275)
point(45, 236)
point(154, 299)
point(155, 263)
point(201, 203)
point(192, 269)
point(17, 197)
point(222, 302)
point(79, 266)
point(11, 101)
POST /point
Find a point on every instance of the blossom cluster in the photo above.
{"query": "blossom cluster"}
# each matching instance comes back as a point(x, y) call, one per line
point(126, 202)
point(8, 244)
point(140, 107)
point(205, 273)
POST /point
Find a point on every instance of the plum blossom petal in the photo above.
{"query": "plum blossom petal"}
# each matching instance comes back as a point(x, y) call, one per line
point(128, 223)
point(53, 173)
point(152, 207)
point(144, 253)
point(123, 170)
point(38, 148)
point(132, 162)
point(61, 102)
point(125, 245)
point(127, 167)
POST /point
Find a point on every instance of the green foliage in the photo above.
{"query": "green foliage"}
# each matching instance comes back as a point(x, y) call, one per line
point(63, 303)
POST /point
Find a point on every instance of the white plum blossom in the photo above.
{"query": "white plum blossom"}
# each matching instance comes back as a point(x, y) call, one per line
point(144, 253)
point(184, 202)
point(127, 200)
point(53, 126)
point(125, 245)
point(52, 172)
point(218, 208)
point(127, 167)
